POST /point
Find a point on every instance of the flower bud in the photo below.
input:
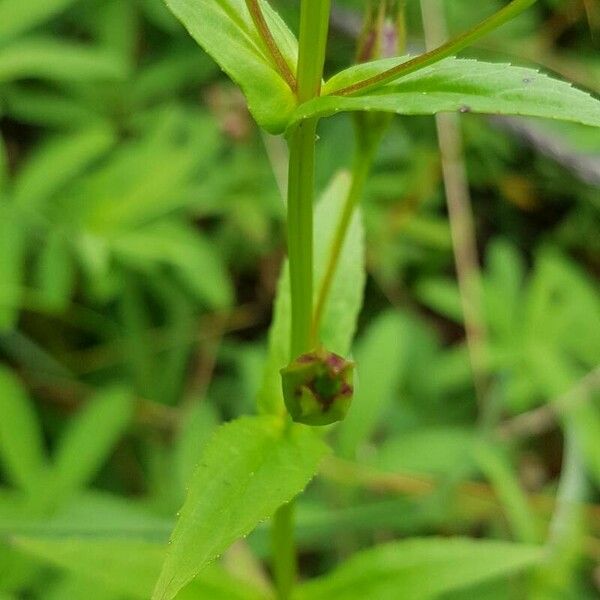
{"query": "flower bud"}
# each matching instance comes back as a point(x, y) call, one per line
point(318, 388)
point(383, 34)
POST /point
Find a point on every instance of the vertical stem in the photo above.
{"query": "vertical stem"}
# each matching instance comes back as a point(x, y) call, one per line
point(314, 26)
point(300, 233)
point(461, 219)
point(284, 551)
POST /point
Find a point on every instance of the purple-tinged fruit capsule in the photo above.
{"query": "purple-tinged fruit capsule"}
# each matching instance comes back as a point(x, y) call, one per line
point(318, 387)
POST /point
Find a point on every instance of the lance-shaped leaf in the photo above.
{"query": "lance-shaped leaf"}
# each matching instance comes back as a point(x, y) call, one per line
point(127, 566)
point(420, 569)
point(57, 60)
point(17, 16)
point(3, 165)
point(464, 86)
point(22, 454)
point(249, 469)
point(12, 263)
point(90, 437)
point(56, 162)
point(224, 28)
point(381, 360)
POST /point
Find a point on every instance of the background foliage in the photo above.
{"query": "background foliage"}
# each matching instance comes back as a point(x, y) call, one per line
point(141, 237)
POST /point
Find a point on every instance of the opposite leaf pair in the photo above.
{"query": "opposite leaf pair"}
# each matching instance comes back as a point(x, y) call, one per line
point(425, 86)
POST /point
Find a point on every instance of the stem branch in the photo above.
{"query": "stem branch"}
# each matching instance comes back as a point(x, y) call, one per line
point(314, 26)
point(448, 49)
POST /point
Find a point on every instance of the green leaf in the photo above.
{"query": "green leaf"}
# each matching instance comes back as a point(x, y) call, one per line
point(158, 14)
point(345, 297)
point(439, 451)
point(56, 162)
point(17, 16)
point(441, 295)
point(380, 359)
point(55, 276)
point(136, 322)
point(4, 176)
point(249, 469)
point(450, 48)
point(466, 86)
point(199, 425)
point(51, 109)
point(149, 177)
point(179, 246)
point(21, 443)
point(117, 27)
point(90, 437)
point(502, 288)
point(47, 58)
point(584, 420)
point(89, 514)
point(76, 588)
point(128, 566)
point(360, 72)
point(500, 472)
point(419, 569)
point(177, 71)
point(225, 30)
point(344, 302)
point(562, 308)
point(12, 264)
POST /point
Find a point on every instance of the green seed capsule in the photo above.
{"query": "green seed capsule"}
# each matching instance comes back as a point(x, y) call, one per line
point(318, 388)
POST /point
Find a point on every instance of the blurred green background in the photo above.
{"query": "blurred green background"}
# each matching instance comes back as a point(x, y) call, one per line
point(141, 235)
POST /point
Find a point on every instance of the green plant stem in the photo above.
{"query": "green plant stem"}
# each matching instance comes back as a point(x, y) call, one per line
point(314, 26)
point(449, 49)
point(284, 551)
point(300, 233)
